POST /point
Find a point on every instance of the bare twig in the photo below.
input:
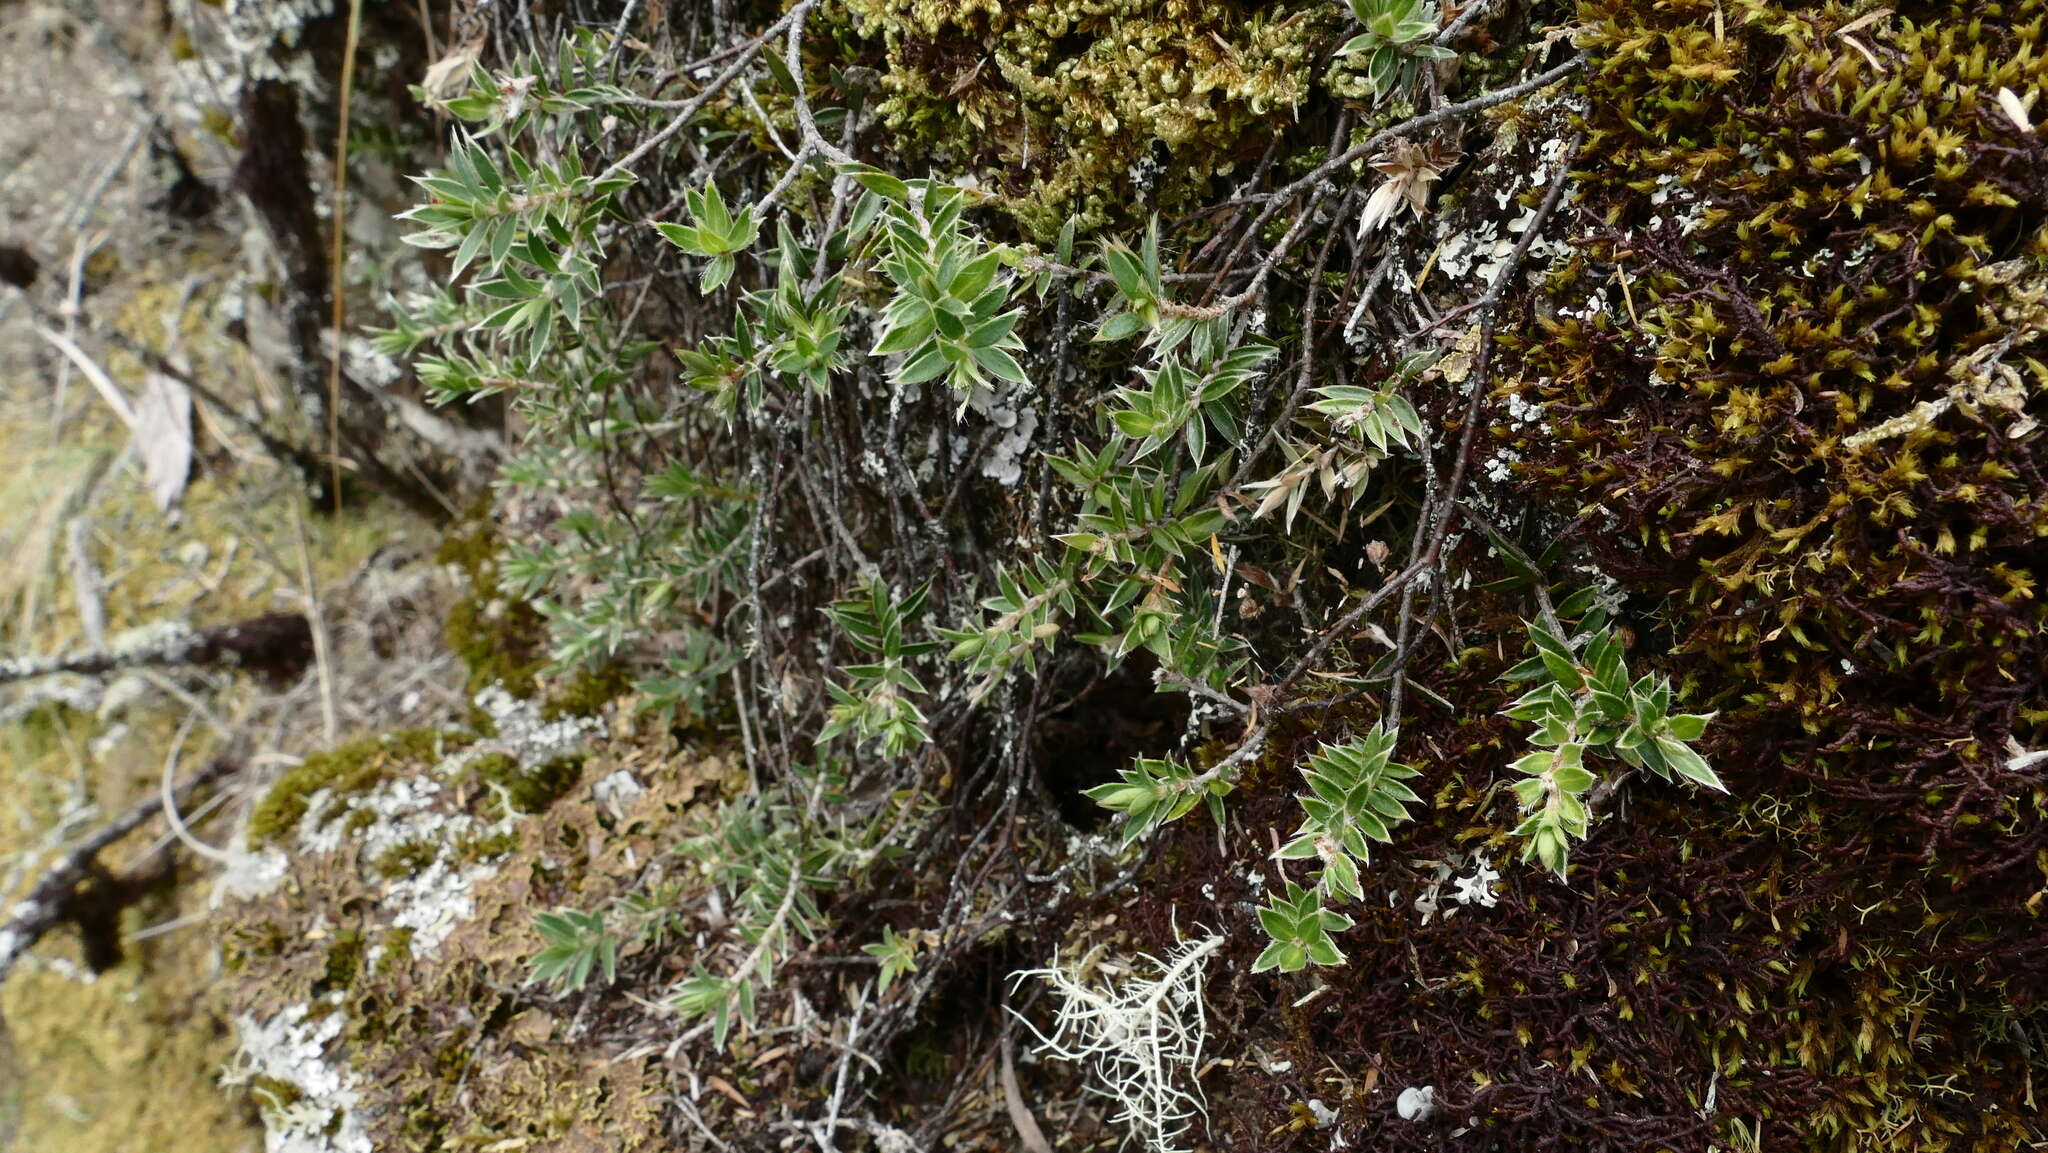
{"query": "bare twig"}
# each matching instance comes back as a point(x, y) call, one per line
point(47, 903)
point(337, 260)
point(85, 582)
point(267, 643)
point(1021, 1119)
point(94, 375)
point(316, 621)
point(166, 796)
point(1342, 161)
point(687, 110)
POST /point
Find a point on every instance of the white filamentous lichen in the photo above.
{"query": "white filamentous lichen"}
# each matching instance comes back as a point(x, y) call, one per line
point(1140, 1038)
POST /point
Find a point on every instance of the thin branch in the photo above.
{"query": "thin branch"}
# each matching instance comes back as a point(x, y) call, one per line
point(688, 109)
point(47, 904)
point(337, 260)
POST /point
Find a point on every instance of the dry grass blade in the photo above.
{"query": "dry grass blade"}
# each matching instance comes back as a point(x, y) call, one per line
point(1020, 1114)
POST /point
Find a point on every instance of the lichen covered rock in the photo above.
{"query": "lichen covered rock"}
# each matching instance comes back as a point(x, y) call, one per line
point(379, 981)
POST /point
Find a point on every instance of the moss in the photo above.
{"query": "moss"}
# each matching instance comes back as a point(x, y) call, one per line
point(344, 962)
point(486, 846)
point(483, 724)
point(397, 951)
point(529, 790)
point(587, 692)
point(351, 769)
point(1807, 413)
point(499, 637)
point(1062, 106)
point(405, 860)
point(273, 1094)
point(495, 1070)
point(494, 766)
point(248, 942)
point(1788, 372)
point(52, 724)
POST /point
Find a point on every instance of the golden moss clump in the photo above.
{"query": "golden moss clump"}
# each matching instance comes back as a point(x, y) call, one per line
point(1057, 105)
point(1791, 379)
point(1800, 364)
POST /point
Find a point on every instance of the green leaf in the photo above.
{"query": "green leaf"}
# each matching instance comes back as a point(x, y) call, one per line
point(928, 363)
point(1123, 268)
point(1119, 327)
point(993, 332)
point(1322, 950)
point(1573, 780)
point(1689, 726)
point(1288, 958)
point(904, 337)
point(1298, 849)
point(1557, 658)
point(717, 271)
point(1277, 920)
point(1689, 764)
point(880, 183)
point(972, 280)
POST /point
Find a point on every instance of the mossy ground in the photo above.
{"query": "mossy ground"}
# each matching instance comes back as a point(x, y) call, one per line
point(80, 1044)
point(346, 770)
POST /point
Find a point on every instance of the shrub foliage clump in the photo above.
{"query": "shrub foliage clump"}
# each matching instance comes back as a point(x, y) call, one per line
point(1529, 538)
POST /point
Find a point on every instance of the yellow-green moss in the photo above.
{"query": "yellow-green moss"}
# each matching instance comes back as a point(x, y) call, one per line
point(500, 638)
point(1788, 374)
point(397, 952)
point(587, 692)
point(353, 768)
point(1057, 104)
point(406, 859)
point(1804, 249)
point(529, 790)
point(273, 1094)
point(344, 961)
point(484, 847)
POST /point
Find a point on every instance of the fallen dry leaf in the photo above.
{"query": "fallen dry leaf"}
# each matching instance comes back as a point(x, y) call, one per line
point(163, 437)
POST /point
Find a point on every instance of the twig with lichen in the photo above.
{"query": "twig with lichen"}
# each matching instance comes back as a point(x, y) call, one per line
point(274, 644)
